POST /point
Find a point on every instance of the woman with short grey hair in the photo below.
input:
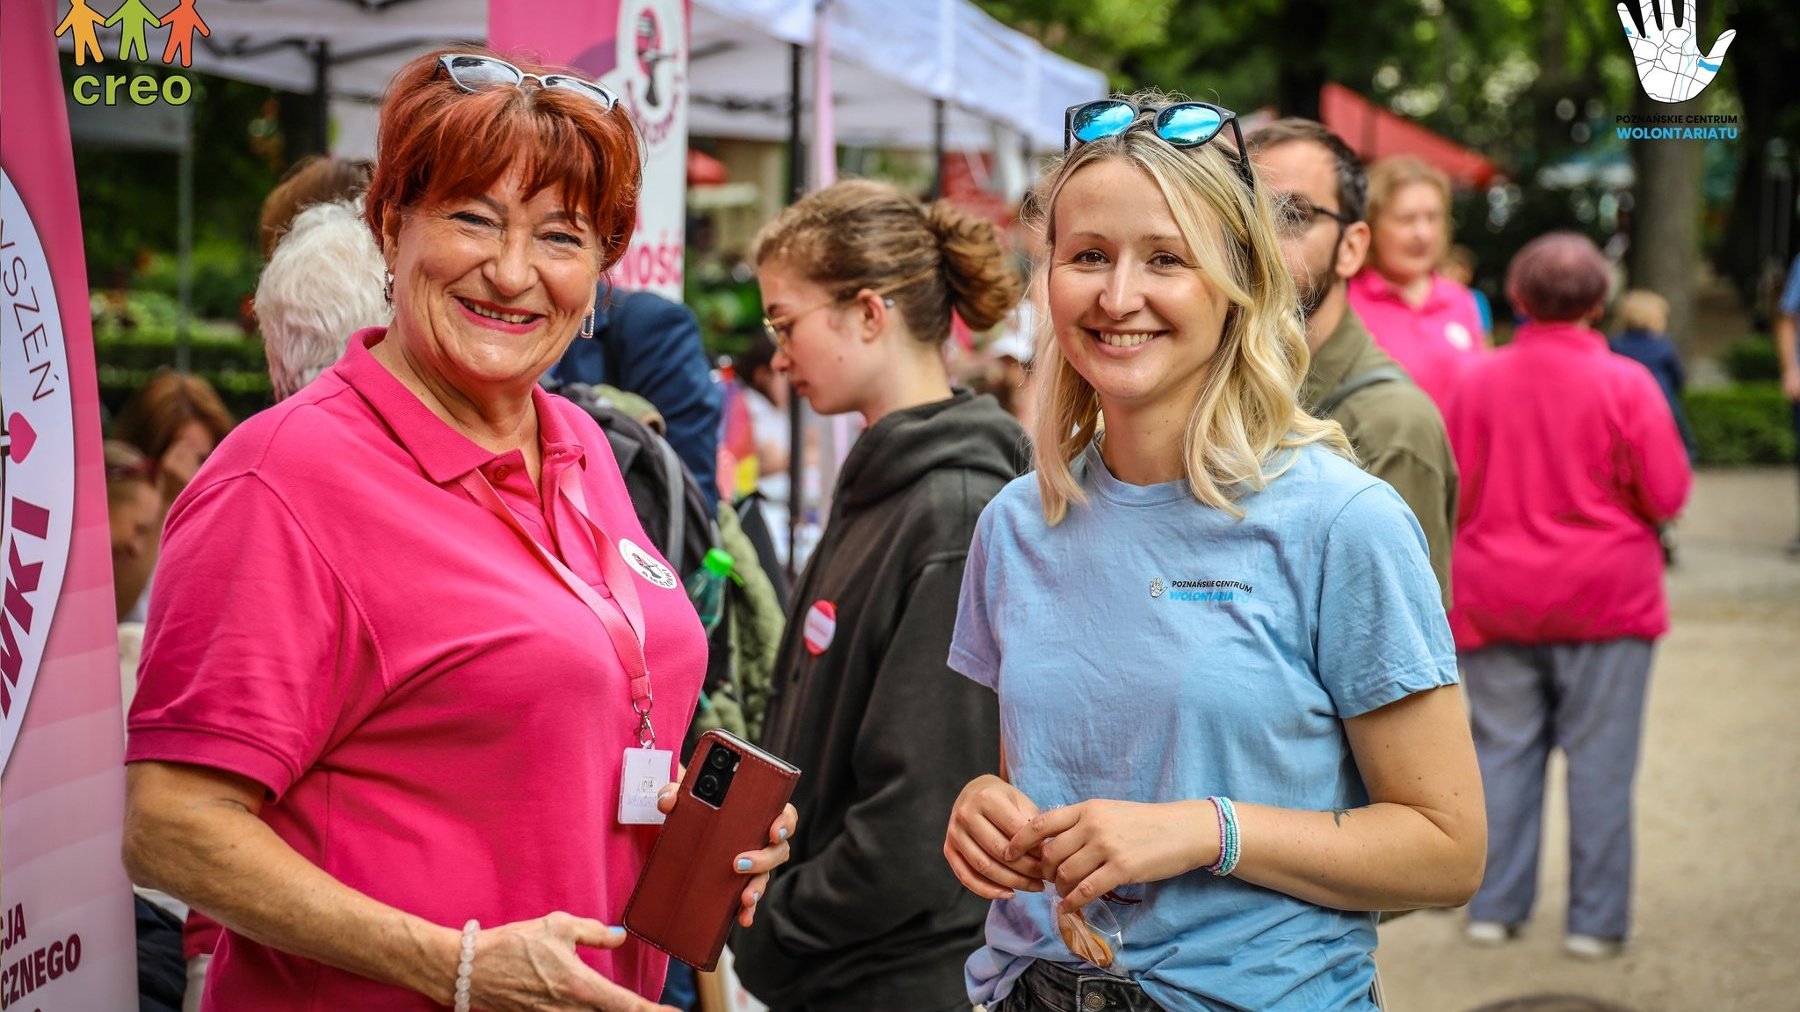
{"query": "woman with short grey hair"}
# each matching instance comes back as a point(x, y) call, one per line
point(322, 284)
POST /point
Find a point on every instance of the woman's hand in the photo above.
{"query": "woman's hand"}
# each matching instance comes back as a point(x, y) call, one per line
point(756, 863)
point(987, 815)
point(534, 965)
point(1092, 848)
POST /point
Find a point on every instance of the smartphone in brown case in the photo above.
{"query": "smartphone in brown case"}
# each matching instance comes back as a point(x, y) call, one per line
point(689, 894)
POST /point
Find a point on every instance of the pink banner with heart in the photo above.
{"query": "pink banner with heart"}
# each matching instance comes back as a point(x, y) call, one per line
point(66, 938)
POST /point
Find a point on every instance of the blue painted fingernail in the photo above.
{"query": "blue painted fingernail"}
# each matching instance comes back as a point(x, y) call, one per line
point(743, 864)
point(781, 834)
point(756, 895)
point(616, 932)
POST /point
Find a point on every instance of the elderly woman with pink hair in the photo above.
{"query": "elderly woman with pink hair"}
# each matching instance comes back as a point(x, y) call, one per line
point(1570, 461)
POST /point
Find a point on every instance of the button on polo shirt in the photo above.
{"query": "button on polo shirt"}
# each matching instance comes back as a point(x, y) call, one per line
point(437, 719)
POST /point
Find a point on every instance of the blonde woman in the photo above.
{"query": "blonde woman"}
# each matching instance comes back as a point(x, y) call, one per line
point(1429, 323)
point(1230, 721)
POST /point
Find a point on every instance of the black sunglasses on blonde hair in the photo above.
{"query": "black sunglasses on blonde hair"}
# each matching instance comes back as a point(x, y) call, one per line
point(1180, 125)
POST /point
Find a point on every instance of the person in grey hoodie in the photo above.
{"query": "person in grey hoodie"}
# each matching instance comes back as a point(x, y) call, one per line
point(858, 283)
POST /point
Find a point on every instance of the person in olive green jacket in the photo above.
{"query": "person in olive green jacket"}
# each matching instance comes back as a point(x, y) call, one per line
point(1395, 428)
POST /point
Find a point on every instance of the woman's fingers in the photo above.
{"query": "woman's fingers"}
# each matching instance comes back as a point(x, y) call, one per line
point(1055, 822)
point(756, 862)
point(587, 931)
point(782, 829)
point(982, 857)
point(665, 797)
point(750, 897)
point(975, 883)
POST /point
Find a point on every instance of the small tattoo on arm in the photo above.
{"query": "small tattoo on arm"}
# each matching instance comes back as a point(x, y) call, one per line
point(1337, 816)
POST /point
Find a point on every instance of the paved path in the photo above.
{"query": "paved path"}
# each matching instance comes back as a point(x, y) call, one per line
point(1717, 913)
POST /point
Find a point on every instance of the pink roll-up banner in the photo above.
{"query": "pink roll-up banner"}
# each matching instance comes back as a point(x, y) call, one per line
point(68, 933)
point(639, 49)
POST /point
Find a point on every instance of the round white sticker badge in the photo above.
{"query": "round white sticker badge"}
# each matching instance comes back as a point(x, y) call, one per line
point(646, 565)
point(821, 627)
point(1458, 336)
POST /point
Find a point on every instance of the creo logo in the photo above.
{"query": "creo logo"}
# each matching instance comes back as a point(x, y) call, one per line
point(133, 19)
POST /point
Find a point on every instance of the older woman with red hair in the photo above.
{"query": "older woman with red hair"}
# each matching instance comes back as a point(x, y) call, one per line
point(412, 627)
point(1570, 461)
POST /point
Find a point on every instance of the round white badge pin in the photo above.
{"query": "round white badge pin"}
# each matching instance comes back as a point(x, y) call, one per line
point(821, 627)
point(646, 565)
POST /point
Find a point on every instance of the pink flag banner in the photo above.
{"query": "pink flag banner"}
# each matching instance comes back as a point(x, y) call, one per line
point(638, 49)
point(67, 939)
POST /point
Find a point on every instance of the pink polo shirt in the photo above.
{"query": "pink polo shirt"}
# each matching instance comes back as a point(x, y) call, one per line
point(1435, 342)
point(1569, 459)
point(438, 719)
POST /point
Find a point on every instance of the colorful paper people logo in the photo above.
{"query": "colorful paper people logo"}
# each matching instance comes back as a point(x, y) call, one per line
point(133, 19)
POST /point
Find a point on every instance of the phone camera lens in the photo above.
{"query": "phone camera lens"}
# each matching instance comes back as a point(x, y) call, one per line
point(708, 785)
point(718, 759)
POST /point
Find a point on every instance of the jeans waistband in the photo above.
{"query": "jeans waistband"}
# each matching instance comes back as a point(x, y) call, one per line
point(1058, 988)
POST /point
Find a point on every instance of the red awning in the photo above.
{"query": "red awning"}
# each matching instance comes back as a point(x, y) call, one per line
point(704, 170)
point(1376, 133)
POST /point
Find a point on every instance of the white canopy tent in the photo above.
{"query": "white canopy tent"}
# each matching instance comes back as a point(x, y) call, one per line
point(890, 62)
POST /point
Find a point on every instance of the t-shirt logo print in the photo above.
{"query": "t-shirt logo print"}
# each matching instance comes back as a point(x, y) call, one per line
point(1157, 587)
point(1669, 63)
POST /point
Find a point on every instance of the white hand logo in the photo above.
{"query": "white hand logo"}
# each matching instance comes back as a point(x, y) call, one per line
point(1669, 63)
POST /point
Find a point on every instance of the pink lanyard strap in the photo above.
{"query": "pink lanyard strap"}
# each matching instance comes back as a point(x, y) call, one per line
point(622, 615)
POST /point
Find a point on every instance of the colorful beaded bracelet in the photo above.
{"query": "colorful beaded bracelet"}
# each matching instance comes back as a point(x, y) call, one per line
point(1228, 837)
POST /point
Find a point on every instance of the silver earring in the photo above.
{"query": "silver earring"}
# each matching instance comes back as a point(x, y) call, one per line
point(387, 286)
point(587, 327)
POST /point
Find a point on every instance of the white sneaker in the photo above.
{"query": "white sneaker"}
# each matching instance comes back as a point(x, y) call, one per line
point(1490, 932)
point(1591, 948)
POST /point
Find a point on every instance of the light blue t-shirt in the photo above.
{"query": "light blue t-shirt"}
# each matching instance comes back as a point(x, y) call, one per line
point(1149, 648)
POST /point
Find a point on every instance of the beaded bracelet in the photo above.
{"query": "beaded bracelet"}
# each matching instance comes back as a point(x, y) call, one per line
point(1228, 837)
point(466, 965)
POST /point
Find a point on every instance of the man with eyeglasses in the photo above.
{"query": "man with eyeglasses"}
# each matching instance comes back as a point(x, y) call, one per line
point(1321, 193)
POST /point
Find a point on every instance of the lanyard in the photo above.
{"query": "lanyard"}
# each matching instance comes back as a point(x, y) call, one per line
point(622, 614)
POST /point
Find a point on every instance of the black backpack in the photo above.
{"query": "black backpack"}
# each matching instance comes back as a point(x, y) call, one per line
point(680, 519)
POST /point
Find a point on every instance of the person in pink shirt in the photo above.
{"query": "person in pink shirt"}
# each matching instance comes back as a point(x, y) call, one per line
point(1427, 322)
point(409, 628)
point(1570, 460)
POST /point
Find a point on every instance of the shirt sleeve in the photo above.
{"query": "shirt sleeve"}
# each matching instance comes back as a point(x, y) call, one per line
point(974, 652)
point(1382, 634)
point(1431, 495)
point(664, 361)
point(255, 658)
point(1790, 296)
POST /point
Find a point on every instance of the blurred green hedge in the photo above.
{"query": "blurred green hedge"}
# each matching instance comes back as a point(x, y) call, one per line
point(1749, 423)
point(126, 358)
point(1752, 359)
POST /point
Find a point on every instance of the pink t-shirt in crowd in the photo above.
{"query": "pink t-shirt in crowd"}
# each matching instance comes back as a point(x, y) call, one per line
point(438, 720)
point(1570, 459)
point(1434, 342)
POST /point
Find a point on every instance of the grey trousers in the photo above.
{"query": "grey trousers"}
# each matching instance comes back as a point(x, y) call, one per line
point(1588, 700)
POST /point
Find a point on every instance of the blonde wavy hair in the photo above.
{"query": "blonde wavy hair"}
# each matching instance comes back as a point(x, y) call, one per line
point(1247, 422)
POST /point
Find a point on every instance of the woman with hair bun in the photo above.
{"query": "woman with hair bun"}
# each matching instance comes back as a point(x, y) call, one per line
point(859, 282)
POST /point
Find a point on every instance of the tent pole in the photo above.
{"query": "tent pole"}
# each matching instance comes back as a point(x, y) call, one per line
point(796, 421)
point(321, 56)
point(937, 148)
point(184, 243)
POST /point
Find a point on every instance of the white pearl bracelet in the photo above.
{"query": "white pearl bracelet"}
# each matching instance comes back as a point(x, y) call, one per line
point(466, 965)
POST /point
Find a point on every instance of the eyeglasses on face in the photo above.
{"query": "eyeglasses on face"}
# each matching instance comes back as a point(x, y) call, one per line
point(1294, 214)
point(473, 73)
point(1182, 125)
point(781, 328)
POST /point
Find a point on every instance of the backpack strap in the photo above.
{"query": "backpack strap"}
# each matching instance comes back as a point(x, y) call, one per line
point(674, 476)
point(1379, 374)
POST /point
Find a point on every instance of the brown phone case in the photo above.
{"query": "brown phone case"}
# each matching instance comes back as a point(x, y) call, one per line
point(688, 895)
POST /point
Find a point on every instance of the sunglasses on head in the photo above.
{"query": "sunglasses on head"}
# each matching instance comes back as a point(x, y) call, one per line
point(1182, 125)
point(474, 73)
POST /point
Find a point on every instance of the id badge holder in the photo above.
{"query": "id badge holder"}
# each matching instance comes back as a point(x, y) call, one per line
point(641, 775)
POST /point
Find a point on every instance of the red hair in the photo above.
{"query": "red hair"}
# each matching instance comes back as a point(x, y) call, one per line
point(439, 143)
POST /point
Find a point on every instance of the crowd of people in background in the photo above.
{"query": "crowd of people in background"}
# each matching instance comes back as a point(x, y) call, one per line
point(1245, 595)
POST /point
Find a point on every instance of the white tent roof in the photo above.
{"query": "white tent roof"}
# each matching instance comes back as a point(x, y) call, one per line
point(889, 61)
